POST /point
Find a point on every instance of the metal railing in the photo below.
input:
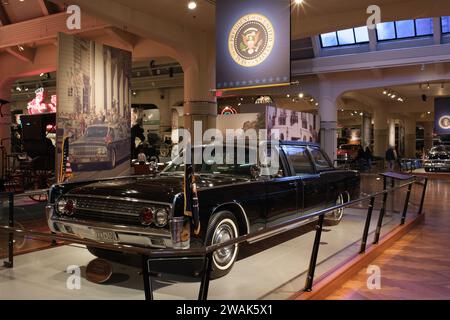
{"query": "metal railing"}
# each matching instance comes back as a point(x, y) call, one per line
point(207, 252)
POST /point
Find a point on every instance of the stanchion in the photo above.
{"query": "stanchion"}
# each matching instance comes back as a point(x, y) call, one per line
point(425, 184)
point(206, 277)
point(148, 290)
point(405, 209)
point(314, 255)
point(382, 212)
point(10, 262)
point(367, 226)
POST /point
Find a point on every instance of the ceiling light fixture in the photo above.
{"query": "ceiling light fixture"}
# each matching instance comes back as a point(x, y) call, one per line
point(301, 95)
point(385, 92)
point(192, 5)
point(297, 2)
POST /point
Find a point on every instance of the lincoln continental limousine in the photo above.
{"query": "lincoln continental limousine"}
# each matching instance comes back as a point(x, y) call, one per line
point(148, 211)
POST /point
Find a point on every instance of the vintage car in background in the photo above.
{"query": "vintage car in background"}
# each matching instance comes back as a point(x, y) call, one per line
point(234, 200)
point(347, 152)
point(438, 159)
point(100, 145)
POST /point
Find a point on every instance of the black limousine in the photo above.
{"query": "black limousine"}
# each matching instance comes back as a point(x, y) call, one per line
point(148, 211)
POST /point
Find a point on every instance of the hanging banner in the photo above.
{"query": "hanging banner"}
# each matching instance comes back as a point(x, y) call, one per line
point(442, 116)
point(253, 40)
point(94, 110)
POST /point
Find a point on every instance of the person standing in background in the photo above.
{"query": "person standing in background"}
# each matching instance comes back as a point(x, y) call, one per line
point(391, 157)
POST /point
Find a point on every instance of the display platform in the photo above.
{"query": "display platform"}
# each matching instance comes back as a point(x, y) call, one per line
point(270, 269)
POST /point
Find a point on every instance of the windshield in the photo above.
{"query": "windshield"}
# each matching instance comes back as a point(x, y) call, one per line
point(229, 165)
point(97, 132)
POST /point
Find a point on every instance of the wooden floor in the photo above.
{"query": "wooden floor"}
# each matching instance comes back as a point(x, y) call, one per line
point(418, 265)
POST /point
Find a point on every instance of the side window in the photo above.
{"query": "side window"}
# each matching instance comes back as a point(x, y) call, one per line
point(320, 159)
point(299, 158)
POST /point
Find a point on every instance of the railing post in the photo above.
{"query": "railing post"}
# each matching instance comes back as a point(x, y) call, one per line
point(10, 262)
point(423, 195)
point(405, 208)
point(314, 255)
point(206, 277)
point(367, 225)
point(382, 212)
point(148, 290)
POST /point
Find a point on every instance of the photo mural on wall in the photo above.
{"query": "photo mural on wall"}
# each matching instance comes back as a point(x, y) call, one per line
point(94, 110)
point(281, 124)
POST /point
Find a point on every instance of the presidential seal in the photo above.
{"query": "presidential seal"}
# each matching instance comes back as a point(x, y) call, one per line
point(251, 40)
point(444, 122)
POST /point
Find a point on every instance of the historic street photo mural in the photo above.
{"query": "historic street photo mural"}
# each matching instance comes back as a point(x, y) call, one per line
point(93, 116)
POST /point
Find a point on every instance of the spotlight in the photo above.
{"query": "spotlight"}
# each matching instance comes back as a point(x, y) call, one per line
point(192, 5)
point(21, 48)
point(429, 112)
point(288, 95)
point(301, 95)
point(297, 2)
point(385, 92)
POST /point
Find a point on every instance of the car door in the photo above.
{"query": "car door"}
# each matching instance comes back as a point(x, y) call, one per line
point(281, 194)
point(322, 187)
point(308, 180)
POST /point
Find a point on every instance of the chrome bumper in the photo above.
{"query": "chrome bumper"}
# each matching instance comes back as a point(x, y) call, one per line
point(178, 237)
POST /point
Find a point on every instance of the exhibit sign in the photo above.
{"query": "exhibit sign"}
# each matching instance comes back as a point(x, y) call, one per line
point(94, 110)
point(442, 116)
point(253, 40)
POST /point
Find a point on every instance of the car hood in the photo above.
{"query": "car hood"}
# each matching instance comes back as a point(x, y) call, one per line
point(161, 188)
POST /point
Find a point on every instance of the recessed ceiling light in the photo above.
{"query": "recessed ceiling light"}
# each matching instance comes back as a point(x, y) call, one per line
point(429, 112)
point(385, 92)
point(288, 95)
point(298, 1)
point(301, 95)
point(192, 5)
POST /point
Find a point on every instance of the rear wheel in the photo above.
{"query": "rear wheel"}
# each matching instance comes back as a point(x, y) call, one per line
point(223, 227)
point(335, 217)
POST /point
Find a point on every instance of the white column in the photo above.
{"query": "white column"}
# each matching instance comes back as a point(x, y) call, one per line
point(428, 135)
point(328, 120)
point(99, 93)
point(392, 132)
point(380, 132)
point(410, 138)
point(108, 84)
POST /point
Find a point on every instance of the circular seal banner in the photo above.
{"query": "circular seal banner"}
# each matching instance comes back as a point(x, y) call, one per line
point(251, 40)
point(444, 122)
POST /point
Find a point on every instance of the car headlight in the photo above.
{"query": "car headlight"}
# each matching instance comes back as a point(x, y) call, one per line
point(102, 151)
point(65, 207)
point(161, 217)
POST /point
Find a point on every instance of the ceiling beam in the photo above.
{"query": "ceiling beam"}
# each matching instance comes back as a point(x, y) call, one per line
point(43, 6)
point(126, 38)
point(26, 55)
point(4, 19)
point(44, 28)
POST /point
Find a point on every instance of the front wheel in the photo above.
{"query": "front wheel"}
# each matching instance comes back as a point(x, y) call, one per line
point(223, 227)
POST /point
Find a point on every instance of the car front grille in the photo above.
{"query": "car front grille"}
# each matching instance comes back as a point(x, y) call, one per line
point(84, 151)
point(109, 211)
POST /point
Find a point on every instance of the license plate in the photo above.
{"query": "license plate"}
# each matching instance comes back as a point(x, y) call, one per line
point(105, 236)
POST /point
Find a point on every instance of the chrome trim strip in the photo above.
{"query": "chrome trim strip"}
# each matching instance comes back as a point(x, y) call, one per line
point(105, 211)
point(117, 228)
point(115, 198)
